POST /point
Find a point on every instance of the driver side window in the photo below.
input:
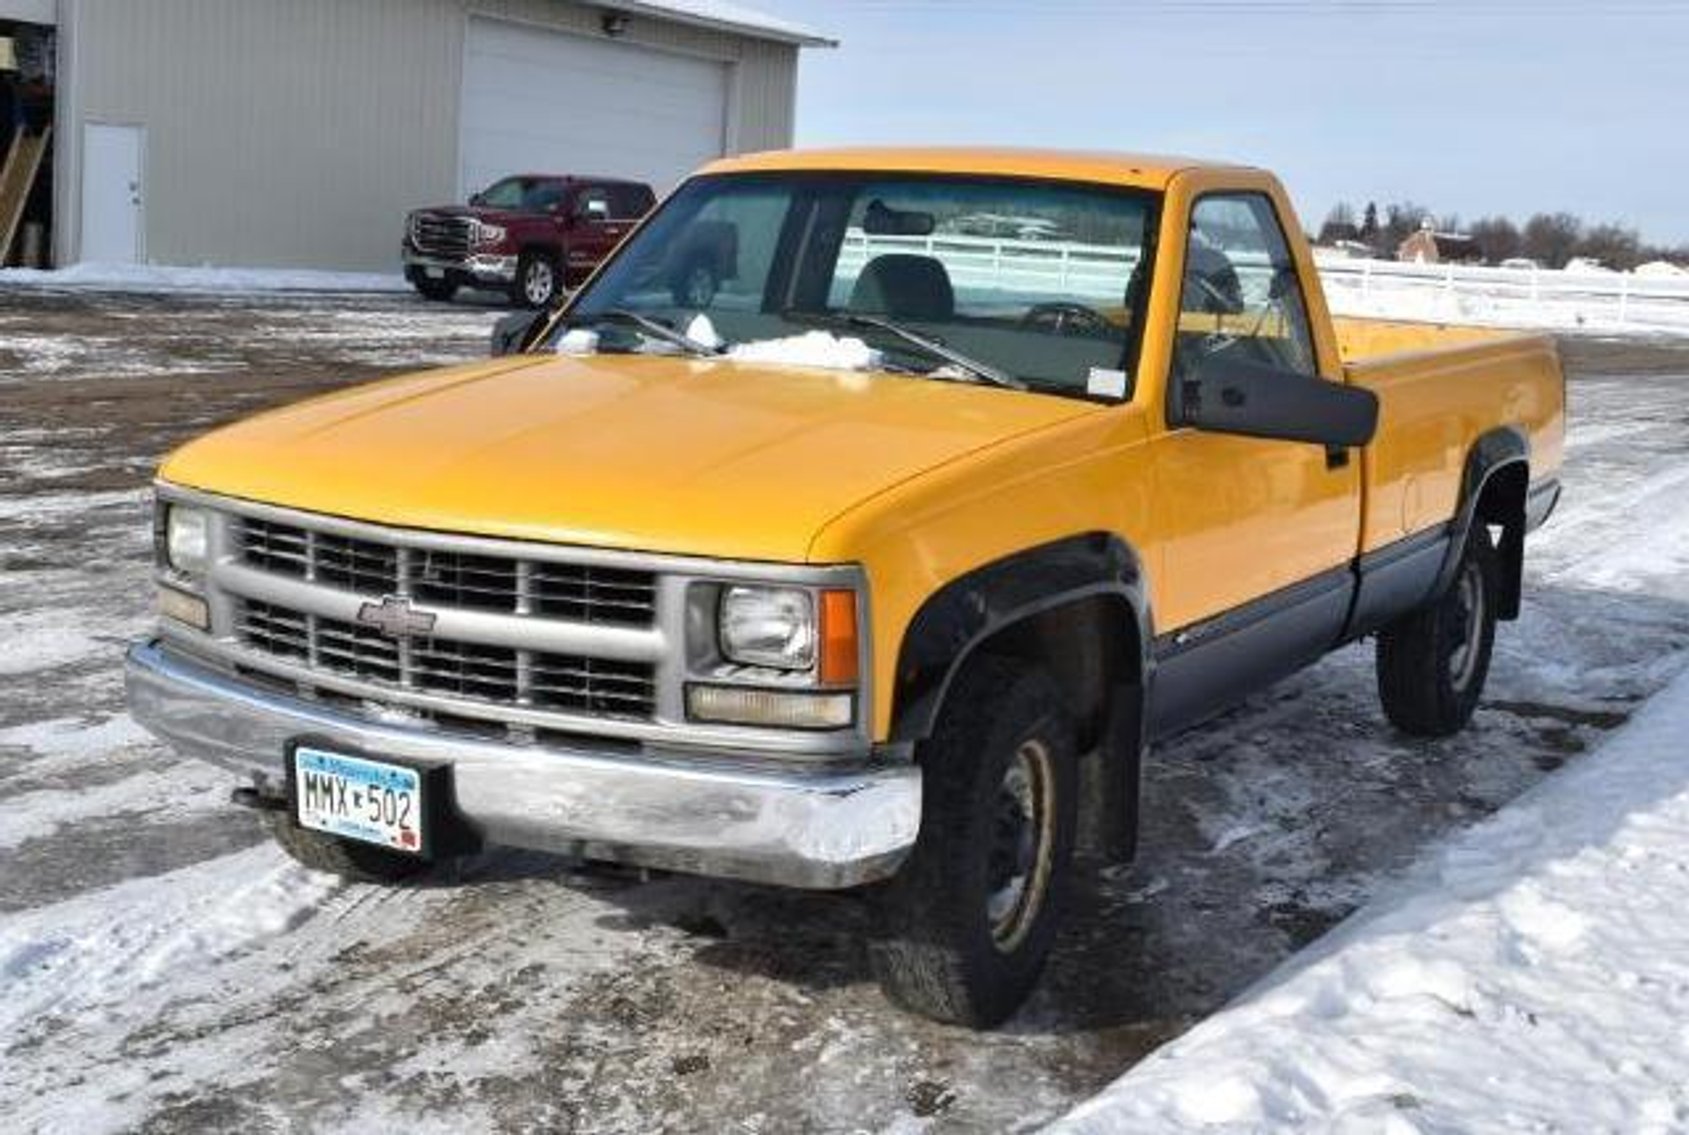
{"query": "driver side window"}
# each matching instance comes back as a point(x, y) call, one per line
point(1241, 293)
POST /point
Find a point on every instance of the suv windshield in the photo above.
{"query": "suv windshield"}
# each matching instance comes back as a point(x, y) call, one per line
point(1028, 281)
point(522, 194)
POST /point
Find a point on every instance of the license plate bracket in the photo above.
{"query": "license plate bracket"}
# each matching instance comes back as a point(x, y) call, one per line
point(403, 805)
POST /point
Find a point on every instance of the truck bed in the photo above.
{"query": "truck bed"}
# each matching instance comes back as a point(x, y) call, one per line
point(1439, 387)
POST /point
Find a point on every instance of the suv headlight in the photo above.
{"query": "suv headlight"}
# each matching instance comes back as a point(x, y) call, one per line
point(768, 626)
point(187, 540)
point(489, 234)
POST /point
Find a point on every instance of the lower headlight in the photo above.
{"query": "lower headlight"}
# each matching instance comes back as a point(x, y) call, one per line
point(184, 608)
point(187, 539)
point(783, 709)
point(486, 234)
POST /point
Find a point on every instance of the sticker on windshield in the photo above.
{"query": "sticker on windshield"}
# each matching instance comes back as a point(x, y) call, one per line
point(1104, 383)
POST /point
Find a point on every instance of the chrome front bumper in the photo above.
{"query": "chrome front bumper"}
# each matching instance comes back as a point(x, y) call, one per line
point(718, 814)
point(484, 269)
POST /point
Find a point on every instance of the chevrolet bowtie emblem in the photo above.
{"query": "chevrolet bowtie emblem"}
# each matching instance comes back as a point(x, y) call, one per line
point(396, 618)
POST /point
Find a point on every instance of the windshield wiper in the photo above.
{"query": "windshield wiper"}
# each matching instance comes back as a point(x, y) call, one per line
point(937, 349)
point(661, 331)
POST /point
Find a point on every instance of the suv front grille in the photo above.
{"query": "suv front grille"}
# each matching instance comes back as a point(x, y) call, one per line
point(445, 237)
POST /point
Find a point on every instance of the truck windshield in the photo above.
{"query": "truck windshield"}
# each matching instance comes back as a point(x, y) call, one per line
point(1023, 283)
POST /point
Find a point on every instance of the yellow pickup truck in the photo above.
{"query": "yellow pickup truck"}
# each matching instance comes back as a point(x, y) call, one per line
point(880, 567)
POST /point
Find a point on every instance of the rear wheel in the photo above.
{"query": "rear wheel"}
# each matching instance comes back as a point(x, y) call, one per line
point(1432, 662)
point(537, 280)
point(357, 862)
point(971, 918)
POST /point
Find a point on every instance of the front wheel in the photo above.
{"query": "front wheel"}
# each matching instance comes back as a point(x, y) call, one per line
point(441, 291)
point(537, 281)
point(355, 862)
point(1432, 662)
point(970, 920)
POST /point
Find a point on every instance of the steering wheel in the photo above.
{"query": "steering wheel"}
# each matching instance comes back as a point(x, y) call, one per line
point(1063, 317)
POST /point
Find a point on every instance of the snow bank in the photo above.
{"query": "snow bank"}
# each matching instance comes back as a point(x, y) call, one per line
point(152, 278)
point(1532, 975)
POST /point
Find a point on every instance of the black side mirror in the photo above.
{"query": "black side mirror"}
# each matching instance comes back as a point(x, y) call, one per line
point(477, 200)
point(516, 332)
point(1237, 396)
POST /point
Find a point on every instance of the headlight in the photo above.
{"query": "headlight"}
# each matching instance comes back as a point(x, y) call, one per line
point(187, 541)
point(488, 234)
point(768, 626)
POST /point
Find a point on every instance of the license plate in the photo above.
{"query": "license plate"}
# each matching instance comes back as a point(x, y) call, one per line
point(434, 273)
point(357, 798)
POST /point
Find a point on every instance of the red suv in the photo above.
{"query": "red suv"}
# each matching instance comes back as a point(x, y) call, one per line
point(531, 235)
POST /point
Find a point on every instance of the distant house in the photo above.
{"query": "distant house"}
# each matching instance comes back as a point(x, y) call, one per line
point(1428, 246)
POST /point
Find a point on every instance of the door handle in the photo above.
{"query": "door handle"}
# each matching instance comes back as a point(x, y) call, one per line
point(1336, 457)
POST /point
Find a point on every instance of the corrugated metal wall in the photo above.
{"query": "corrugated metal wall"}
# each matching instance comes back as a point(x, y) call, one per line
point(297, 132)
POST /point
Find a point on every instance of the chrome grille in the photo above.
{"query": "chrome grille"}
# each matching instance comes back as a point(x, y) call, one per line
point(460, 670)
point(435, 235)
point(551, 594)
point(575, 592)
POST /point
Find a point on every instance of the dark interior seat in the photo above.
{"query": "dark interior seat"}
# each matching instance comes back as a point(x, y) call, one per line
point(901, 285)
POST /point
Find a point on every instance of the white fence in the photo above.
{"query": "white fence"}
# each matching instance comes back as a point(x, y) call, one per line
point(1506, 297)
point(1521, 297)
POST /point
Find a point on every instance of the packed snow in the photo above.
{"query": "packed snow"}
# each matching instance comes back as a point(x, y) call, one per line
point(811, 349)
point(225, 281)
point(1532, 976)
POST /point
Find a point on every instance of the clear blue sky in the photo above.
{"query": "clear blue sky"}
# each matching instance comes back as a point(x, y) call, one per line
point(1467, 106)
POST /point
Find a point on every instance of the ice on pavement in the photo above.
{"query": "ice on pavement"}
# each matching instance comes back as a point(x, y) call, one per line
point(1533, 972)
point(161, 278)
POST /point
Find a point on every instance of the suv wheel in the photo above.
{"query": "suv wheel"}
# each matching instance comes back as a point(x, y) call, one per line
point(356, 862)
point(537, 282)
point(972, 916)
point(1432, 662)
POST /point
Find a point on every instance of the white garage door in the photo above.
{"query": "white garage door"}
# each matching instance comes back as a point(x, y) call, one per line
point(537, 101)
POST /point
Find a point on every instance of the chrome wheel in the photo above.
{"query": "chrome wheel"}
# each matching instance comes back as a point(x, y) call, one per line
point(539, 282)
point(1466, 625)
point(1022, 844)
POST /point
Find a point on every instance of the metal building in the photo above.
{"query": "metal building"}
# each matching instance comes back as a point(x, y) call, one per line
point(297, 133)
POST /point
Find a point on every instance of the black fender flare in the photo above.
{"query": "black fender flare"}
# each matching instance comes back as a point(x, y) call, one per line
point(970, 611)
point(1502, 448)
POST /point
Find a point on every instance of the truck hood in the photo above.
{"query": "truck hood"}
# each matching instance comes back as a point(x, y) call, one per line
point(699, 457)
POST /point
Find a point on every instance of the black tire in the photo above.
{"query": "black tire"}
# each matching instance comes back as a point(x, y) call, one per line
point(1432, 662)
point(958, 942)
point(356, 862)
point(538, 281)
point(440, 291)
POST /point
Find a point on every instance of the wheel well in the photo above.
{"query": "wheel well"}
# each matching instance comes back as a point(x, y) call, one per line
point(1093, 648)
point(1501, 504)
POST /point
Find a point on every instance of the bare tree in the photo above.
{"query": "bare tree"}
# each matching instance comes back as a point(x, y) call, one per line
point(1498, 238)
point(1552, 239)
point(1339, 225)
point(1613, 245)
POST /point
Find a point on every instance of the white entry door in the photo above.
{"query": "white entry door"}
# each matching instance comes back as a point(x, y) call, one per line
point(111, 194)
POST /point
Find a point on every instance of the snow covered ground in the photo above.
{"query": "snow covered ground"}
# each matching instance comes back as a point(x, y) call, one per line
point(149, 278)
point(165, 968)
point(1532, 975)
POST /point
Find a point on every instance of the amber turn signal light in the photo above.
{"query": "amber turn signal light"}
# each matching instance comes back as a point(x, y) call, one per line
point(838, 638)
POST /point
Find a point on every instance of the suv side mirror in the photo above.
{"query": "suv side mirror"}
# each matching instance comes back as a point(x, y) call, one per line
point(515, 333)
point(1237, 396)
point(477, 199)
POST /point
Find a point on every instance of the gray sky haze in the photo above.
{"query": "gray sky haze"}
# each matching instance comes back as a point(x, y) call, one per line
point(1474, 107)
